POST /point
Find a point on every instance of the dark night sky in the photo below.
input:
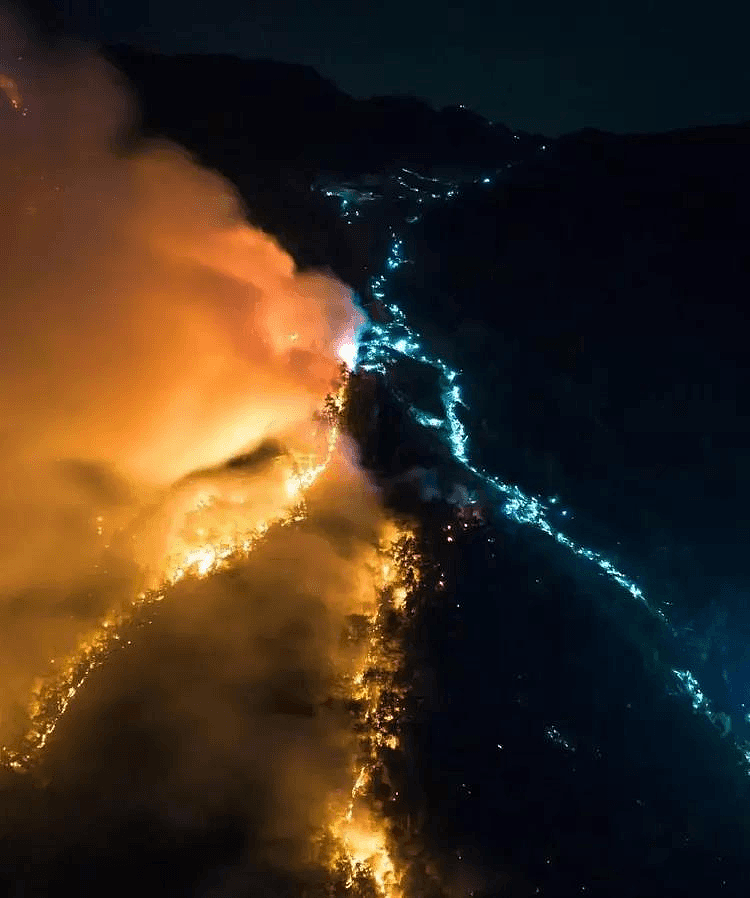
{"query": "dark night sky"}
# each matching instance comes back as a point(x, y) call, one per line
point(540, 66)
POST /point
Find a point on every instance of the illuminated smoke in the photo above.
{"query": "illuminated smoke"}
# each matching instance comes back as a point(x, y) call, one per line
point(150, 335)
point(170, 397)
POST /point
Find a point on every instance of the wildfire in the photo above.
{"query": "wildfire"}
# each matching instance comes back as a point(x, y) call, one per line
point(141, 478)
point(190, 557)
point(53, 694)
point(357, 829)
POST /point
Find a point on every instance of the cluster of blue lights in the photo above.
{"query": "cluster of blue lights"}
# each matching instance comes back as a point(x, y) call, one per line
point(692, 687)
point(553, 734)
point(350, 200)
point(382, 343)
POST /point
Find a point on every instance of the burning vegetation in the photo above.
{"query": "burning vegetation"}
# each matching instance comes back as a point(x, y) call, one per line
point(173, 394)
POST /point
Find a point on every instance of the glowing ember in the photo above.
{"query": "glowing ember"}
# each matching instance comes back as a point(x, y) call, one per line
point(8, 87)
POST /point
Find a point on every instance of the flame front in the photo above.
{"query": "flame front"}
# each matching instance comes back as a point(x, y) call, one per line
point(52, 694)
point(359, 831)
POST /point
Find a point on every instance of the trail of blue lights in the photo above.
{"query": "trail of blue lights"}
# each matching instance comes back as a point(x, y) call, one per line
point(380, 346)
point(397, 337)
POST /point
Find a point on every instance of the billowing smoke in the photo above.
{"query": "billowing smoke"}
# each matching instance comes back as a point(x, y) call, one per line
point(149, 335)
point(222, 720)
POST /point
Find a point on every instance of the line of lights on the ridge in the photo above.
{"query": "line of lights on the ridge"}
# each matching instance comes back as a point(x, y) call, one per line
point(382, 341)
point(398, 337)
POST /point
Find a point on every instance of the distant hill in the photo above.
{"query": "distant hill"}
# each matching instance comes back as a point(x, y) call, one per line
point(261, 112)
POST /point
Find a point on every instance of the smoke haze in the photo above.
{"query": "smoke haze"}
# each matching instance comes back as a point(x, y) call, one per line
point(150, 335)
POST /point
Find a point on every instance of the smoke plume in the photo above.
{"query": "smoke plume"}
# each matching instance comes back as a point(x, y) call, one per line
point(149, 335)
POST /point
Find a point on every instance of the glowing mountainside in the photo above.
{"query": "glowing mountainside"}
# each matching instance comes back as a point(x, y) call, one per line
point(240, 494)
point(208, 536)
point(200, 532)
point(166, 378)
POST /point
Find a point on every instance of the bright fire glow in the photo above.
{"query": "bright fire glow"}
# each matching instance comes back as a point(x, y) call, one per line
point(161, 344)
point(359, 831)
point(189, 557)
point(347, 352)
